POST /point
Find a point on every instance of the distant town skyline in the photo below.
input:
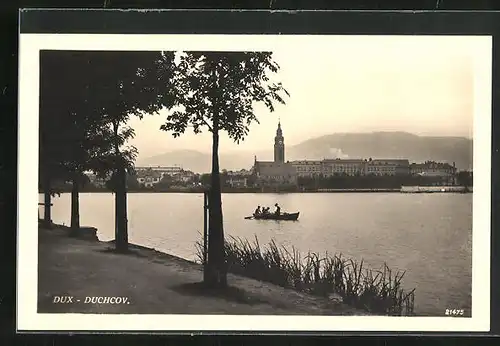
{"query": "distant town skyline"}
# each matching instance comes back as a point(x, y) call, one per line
point(423, 85)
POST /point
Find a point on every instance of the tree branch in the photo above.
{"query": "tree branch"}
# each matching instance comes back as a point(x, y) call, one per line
point(206, 123)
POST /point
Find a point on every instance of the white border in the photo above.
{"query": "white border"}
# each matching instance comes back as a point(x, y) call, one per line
point(29, 319)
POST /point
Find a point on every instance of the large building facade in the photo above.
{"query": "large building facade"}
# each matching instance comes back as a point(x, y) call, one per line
point(351, 167)
point(442, 172)
point(163, 170)
point(150, 176)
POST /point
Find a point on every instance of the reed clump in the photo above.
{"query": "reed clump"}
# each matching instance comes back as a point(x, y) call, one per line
point(376, 291)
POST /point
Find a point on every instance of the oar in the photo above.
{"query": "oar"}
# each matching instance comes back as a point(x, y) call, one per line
point(248, 217)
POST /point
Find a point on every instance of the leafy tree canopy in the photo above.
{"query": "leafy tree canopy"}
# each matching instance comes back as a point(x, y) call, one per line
point(226, 84)
point(105, 90)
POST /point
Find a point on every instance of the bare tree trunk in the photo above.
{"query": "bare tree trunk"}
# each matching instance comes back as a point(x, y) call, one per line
point(117, 207)
point(216, 276)
point(121, 236)
point(121, 231)
point(47, 217)
point(75, 206)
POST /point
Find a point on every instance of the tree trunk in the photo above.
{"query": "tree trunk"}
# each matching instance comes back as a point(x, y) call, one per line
point(75, 207)
point(121, 232)
point(47, 217)
point(216, 275)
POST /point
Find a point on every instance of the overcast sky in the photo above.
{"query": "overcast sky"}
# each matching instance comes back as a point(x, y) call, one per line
point(422, 85)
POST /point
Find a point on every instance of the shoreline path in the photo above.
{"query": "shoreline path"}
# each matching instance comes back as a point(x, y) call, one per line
point(151, 282)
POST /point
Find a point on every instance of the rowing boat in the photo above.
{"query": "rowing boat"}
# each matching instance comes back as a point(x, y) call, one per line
point(281, 217)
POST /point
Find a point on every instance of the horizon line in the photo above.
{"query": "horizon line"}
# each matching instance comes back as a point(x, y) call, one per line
point(317, 137)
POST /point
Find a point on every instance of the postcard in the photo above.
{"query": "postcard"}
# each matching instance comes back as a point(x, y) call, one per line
point(254, 182)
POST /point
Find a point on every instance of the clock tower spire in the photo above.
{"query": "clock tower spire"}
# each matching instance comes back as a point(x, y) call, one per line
point(279, 145)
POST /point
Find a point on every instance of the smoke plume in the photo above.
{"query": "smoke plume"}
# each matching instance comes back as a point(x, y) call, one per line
point(336, 153)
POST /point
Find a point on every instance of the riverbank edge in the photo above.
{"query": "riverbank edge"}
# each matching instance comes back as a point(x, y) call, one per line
point(333, 305)
point(274, 192)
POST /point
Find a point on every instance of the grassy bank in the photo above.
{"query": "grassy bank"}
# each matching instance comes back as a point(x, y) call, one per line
point(375, 291)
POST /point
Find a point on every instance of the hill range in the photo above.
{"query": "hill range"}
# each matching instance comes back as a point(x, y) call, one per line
point(389, 145)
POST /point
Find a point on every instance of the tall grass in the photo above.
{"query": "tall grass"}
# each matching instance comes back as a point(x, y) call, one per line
point(375, 291)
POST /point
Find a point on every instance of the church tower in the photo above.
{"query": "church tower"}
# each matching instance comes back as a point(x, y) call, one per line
point(279, 145)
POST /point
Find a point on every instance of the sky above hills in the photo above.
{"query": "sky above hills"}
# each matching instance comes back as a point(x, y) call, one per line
point(422, 85)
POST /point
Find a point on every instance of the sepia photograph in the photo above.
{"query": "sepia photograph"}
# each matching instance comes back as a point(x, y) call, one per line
point(288, 182)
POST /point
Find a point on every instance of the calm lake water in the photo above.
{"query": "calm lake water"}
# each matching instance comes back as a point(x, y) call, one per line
point(428, 235)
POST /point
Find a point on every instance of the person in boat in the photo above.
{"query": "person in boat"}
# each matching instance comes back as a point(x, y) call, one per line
point(265, 211)
point(257, 211)
point(278, 209)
